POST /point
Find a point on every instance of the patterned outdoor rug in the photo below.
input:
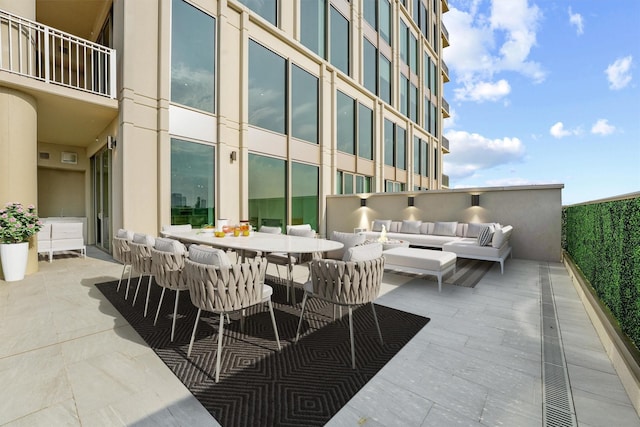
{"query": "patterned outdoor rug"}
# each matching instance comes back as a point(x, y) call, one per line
point(468, 273)
point(304, 384)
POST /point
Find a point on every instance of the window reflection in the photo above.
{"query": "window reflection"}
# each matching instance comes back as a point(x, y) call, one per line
point(267, 95)
point(312, 25)
point(192, 57)
point(365, 132)
point(268, 9)
point(370, 66)
point(304, 197)
point(339, 41)
point(267, 191)
point(304, 105)
point(345, 122)
point(192, 183)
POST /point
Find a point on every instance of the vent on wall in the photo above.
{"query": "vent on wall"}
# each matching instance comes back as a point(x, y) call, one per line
point(70, 158)
point(43, 156)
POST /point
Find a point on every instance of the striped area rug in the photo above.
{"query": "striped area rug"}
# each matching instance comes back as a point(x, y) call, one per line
point(304, 384)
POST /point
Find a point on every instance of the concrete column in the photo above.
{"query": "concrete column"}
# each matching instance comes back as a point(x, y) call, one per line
point(18, 155)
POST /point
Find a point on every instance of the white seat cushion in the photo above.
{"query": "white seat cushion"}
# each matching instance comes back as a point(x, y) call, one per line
point(419, 258)
point(363, 252)
point(170, 245)
point(210, 256)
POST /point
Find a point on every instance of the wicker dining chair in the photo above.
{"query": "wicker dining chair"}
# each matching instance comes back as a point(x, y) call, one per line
point(167, 262)
point(141, 262)
point(225, 289)
point(122, 254)
point(347, 283)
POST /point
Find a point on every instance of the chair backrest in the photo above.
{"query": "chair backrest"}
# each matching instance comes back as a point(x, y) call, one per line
point(272, 230)
point(166, 268)
point(121, 250)
point(141, 246)
point(347, 282)
point(176, 227)
point(225, 289)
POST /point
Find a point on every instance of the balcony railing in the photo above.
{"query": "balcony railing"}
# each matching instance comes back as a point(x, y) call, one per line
point(445, 71)
point(445, 108)
point(445, 143)
point(445, 35)
point(37, 51)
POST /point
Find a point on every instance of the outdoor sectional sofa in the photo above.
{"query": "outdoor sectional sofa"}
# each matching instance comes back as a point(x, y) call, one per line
point(482, 241)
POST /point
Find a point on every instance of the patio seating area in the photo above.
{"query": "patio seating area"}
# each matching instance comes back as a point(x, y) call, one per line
point(69, 358)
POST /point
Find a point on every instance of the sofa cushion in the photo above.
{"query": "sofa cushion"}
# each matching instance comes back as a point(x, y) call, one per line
point(395, 226)
point(501, 236)
point(426, 228)
point(468, 248)
point(474, 228)
point(485, 236)
point(378, 223)
point(411, 227)
point(363, 252)
point(210, 256)
point(349, 240)
point(445, 228)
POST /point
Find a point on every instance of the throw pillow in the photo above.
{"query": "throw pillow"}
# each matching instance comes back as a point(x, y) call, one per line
point(301, 232)
point(209, 256)
point(378, 223)
point(411, 227)
point(124, 234)
point(426, 228)
point(271, 230)
point(169, 245)
point(445, 228)
point(363, 252)
point(298, 227)
point(485, 236)
point(349, 240)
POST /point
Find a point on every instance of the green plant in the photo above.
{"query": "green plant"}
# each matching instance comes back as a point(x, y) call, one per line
point(17, 223)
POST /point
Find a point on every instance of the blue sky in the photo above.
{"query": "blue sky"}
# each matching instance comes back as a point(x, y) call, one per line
point(544, 92)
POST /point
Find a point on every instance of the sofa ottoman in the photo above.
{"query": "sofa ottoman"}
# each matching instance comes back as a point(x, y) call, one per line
point(420, 261)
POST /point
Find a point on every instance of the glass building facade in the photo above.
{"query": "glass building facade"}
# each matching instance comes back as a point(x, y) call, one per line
point(304, 103)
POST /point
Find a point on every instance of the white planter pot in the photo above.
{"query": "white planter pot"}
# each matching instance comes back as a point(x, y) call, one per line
point(14, 260)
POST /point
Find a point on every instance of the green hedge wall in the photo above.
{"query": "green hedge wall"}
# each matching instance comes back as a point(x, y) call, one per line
point(604, 241)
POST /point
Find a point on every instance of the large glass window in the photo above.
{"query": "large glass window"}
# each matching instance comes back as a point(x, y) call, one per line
point(404, 99)
point(413, 53)
point(267, 94)
point(404, 55)
point(268, 9)
point(363, 184)
point(370, 66)
point(312, 25)
point(413, 103)
point(304, 105)
point(370, 13)
point(339, 41)
point(385, 79)
point(424, 158)
point(389, 148)
point(401, 148)
point(385, 20)
point(192, 57)
point(267, 191)
point(345, 122)
point(192, 183)
point(348, 183)
point(365, 132)
point(304, 197)
point(416, 155)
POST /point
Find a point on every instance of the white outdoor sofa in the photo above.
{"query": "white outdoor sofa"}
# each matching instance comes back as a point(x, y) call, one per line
point(459, 238)
point(61, 236)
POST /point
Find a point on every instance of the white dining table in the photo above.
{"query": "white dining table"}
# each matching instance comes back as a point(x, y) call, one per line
point(259, 242)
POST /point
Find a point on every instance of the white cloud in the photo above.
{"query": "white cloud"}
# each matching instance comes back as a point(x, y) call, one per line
point(558, 131)
point(602, 127)
point(491, 41)
point(576, 19)
point(483, 91)
point(471, 152)
point(619, 73)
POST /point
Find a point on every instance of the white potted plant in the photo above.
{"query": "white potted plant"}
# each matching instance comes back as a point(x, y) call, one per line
point(17, 225)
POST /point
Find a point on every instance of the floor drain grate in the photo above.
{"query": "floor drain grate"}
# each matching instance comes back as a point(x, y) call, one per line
point(558, 410)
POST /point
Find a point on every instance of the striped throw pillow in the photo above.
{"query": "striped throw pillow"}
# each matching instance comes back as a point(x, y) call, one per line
point(485, 236)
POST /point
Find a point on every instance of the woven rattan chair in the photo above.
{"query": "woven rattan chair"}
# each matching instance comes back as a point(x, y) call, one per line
point(167, 262)
point(122, 254)
point(227, 289)
point(141, 246)
point(345, 283)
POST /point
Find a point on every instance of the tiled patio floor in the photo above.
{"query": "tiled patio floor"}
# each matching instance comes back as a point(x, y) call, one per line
point(68, 358)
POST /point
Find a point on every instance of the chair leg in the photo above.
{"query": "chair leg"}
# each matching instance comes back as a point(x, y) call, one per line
point(193, 334)
point(159, 305)
point(126, 292)
point(275, 327)
point(220, 332)
point(175, 314)
point(146, 303)
point(353, 347)
point(135, 296)
point(124, 267)
point(375, 318)
point(304, 303)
